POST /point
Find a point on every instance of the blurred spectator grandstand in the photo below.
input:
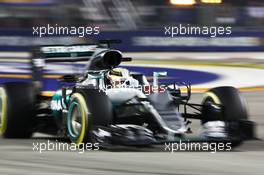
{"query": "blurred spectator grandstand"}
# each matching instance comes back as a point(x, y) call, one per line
point(130, 14)
point(17, 17)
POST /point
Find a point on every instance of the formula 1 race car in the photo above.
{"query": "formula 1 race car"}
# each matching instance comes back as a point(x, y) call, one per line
point(109, 104)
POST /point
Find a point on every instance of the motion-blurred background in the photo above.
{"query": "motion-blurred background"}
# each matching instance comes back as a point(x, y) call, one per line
point(136, 22)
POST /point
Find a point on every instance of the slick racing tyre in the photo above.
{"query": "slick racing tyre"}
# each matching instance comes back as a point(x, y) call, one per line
point(16, 110)
point(229, 98)
point(227, 105)
point(88, 108)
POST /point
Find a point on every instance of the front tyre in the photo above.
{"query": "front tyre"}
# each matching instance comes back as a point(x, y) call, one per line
point(227, 105)
point(231, 101)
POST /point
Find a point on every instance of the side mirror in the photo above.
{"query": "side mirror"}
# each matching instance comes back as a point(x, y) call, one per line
point(156, 76)
point(69, 78)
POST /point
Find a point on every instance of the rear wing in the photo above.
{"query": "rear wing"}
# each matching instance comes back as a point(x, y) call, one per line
point(58, 54)
point(100, 56)
point(73, 53)
point(64, 53)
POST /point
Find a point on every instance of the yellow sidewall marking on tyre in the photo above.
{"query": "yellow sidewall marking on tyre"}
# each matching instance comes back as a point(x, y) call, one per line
point(213, 96)
point(3, 112)
point(84, 113)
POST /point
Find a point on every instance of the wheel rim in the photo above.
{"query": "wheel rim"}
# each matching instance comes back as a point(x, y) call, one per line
point(3, 111)
point(212, 99)
point(75, 119)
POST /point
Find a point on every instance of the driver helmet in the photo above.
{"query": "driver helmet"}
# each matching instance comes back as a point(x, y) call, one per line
point(120, 77)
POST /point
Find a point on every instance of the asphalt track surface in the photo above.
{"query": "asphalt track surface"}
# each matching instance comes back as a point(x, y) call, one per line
point(18, 157)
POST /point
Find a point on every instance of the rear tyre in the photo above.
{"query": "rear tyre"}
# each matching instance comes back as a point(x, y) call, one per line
point(16, 110)
point(88, 109)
